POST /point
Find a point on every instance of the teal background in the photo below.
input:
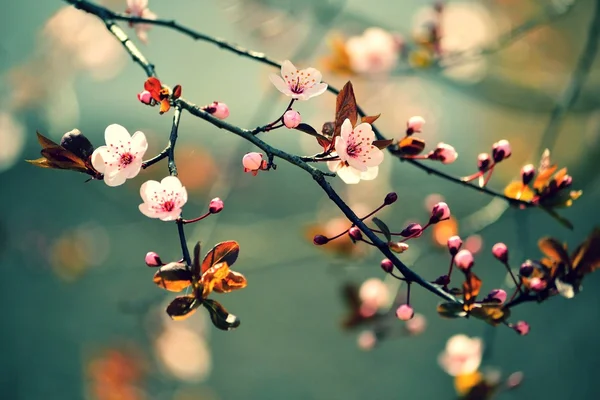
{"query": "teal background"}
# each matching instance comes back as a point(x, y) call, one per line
point(289, 344)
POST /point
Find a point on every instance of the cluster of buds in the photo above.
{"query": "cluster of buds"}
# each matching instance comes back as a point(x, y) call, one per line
point(412, 147)
point(501, 150)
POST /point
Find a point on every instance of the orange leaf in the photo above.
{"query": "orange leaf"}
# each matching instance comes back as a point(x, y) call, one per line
point(411, 145)
point(586, 258)
point(466, 382)
point(222, 280)
point(516, 190)
point(471, 288)
point(154, 86)
point(173, 277)
point(345, 107)
point(164, 106)
point(543, 177)
point(382, 144)
point(370, 119)
point(553, 249)
point(222, 252)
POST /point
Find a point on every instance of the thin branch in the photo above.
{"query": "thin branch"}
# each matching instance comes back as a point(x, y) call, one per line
point(108, 16)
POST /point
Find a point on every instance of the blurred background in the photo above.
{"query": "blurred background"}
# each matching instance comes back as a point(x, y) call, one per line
point(83, 318)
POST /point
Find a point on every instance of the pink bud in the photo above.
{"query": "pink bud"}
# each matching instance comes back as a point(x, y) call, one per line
point(405, 312)
point(355, 233)
point(221, 110)
point(252, 162)
point(416, 325)
point(291, 119)
point(390, 198)
point(320, 240)
point(444, 153)
point(387, 265)
point(527, 173)
point(464, 260)
point(153, 260)
point(439, 212)
point(454, 243)
point(500, 251)
point(521, 327)
point(537, 285)
point(146, 98)
point(497, 295)
point(398, 247)
point(367, 340)
point(215, 206)
point(526, 268)
point(514, 380)
point(501, 150)
point(483, 162)
point(414, 124)
point(412, 230)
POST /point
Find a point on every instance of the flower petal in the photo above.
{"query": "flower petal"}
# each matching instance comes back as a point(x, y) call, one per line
point(171, 183)
point(147, 189)
point(171, 215)
point(370, 174)
point(366, 132)
point(98, 158)
point(334, 166)
point(116, 134)
point(314, 74)
point(115, 178)
point(374, 157)
point(139, 144)
point(349, 175)
point(288, 70)
point(280, 84)
point(314, 91)
point(133, 169)
point(346, 130)
point(341, 147)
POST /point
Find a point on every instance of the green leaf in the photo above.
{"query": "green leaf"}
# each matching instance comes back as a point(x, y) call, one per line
point(383, 227)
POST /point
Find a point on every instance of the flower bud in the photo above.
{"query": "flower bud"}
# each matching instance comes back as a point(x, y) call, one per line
point(414, 124)
point(483, 162)
point(439, 212)
point(526, 268)
point(566, 181)
point(398, 247)
point(153, 260)
point(527, 174)
point(146, 98)
point(291, 119)
point(514, 380)
point(537, 284)
point(500, 251)
point(387, 265)
point(454, 243)
point(215, 206)
point(405, 312)
point(444, 153)
point(221, 110)
point(501, 150)
point(412, 230)
point(496, 296)
point(320, 240)
point(355, 233)
point(390, 198)
point(77, 143)
point(464, 260)
point(521, 327)
point(253, 162)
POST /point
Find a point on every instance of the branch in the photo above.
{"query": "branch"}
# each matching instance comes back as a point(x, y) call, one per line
point(109, 16)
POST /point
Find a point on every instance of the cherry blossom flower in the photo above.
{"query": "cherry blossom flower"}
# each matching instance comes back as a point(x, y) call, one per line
point(298, 84)
point(354, 145)
point(163, 199)
point(139, 8)
point(351, 175)
point(462, 355)
point(374, 52)
point(121, 158)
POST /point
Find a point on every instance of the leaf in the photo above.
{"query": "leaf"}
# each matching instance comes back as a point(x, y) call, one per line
point(471, 288)
point(384, 228)
point(222, 252)
point(182, 307)
point(370, 119)
point(165, 106)
point(173, 277)
point(382, 144)
point(543, 177)
point(553, 249)
point(451, 310)
point(516, 190)
point(45, 142)
point(177, 91)
point(222, 280)
point(154, 86)
point(345, 107)
point(492, 313)
point(586, 258)
point(324, 143)
point(196, 266)
point(464, 383)
point(310, 131)
point(562, 220)
point(411, 146)
point(220, 317)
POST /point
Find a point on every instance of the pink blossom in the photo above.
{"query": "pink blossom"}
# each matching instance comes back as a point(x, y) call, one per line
point(298, 84)
point(153, 260)
point(291, 119)
point(483, 161)
point(253, 162)
point(221, 110)
point(405, 312)
point(454, 244)
point(351, 175)
point(215, 206)
point(464, 260)
point(387, 265)
point(536, 284)
point(146, 98)
point(439, 212)
point(500, 251)
point(462, 355)
point(527, 173)
point(444, 153)
point(374, 293)
point(501, 150)
point(367, 340)
point(136, 7)
point(163, 199)
point(497, 295)
point(121, 158)
point(376, 51)
point(521, 327)
point(414, 124)
point(354, 146)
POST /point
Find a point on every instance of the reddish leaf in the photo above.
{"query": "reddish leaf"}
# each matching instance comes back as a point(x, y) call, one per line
point(493, 314)
point(221, 279)
point(345, 108)
point(182, 307)
point(586, 258)
point(451, 310)
point(553, 249)
point(173, 277)
point(382, 144)
point(177, 91)
point(222, 252)
point(471, 288)
point(370, 119)
point(196, 265)
point(411, 146)
point(154, 86)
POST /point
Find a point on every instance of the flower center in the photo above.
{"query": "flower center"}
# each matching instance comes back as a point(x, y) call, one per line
point(126, 158)
point(354, 149)
point(168, 205)
point(298, 87)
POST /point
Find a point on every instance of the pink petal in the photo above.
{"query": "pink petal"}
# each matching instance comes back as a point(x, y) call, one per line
point(315, 90)
point(341, 147)
point(289, 69)
point(370, 174)
point(171, 183)
point(115, 178)
point(314, 74)
point(346, 130)
point(139, 144)
point(376, 157)
point(133, 169)
point(147, 189)
point(280, 84)
point(147, 211)
point(366, 132)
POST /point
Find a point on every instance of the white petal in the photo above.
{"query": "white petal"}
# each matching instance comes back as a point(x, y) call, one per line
point(312, 73)
point(341, 147)
point(147, 189)
point(98, 159)
point(115, 178)
point(139, 144)
point(316, 90)
point(289, 69)
point(147, 211)
point(171, 183)
point(346, 129)
point(115, 134)
point(349, 175)
point(280, 85)
point(370, 174)
point(357, 163)
point(334, 166)
point(374, 157)
point(366, 132)
point(183, 197)
point(133, 169)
